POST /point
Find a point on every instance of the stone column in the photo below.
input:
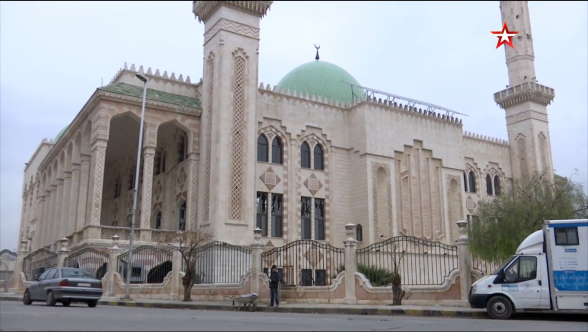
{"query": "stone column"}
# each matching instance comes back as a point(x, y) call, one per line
point(95, 190)
point(52, 224)
point(59, 225)
point(192, 198)
point(63, 252)
point(256, 251)
point(350, 264)
point(148, 156)
point(465, 260)
point(83, 192)
point(73, 197)
point(113, 254)
point(176, 269)
point(65, 203)
point(17, 279)
point(40, 223)
point(46, 219)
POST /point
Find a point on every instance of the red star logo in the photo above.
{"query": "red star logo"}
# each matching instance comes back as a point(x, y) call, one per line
point(505, 36)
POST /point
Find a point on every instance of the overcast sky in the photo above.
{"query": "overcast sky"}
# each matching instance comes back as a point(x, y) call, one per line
point(53, 56)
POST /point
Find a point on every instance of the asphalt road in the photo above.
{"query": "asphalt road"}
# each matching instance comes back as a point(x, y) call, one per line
point(14, 316)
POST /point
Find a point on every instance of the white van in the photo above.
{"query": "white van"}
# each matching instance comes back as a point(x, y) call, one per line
point(549, 272)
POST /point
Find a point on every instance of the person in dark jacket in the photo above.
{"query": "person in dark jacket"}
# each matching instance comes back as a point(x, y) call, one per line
point(275, 279)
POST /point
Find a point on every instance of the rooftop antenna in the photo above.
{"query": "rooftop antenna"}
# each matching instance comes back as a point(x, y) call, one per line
point(317, 48)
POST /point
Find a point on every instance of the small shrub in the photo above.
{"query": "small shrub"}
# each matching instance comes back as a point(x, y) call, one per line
point(378, 277)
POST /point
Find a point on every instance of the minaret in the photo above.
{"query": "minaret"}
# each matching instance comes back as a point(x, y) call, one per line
point(524, 100)
point(228, 122)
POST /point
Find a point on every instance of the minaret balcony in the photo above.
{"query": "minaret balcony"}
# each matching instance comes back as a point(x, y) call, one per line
point(528, 91)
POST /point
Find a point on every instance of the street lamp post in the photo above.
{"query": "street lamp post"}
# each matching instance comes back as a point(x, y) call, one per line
point(135, 189)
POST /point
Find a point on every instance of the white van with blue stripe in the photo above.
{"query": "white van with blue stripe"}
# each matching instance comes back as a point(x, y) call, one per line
point(549, 272)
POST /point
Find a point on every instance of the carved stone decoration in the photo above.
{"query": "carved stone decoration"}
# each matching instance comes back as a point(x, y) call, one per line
point(212, 289)
point(158, 189)
point(181, 180)
point(239, 137)
point(526, 116)
point(382, 223)
point(300, 291)
point(470, 204)
point(270, 178)
point(98, 183)
point(454, 200)
point(231, 26)
point(313, 256)
point(209, 114)
point(419, 193)
point(313, 184)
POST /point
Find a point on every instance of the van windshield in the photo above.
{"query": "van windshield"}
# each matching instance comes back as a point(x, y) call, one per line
point(504, 264)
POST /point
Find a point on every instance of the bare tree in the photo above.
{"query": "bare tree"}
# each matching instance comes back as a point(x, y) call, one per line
point(397, 253)
point(189, 245)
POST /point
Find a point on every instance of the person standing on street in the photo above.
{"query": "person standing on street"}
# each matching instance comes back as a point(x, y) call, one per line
point(274, 284)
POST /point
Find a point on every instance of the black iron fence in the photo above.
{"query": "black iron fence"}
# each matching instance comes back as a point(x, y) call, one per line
point(89, 259)
point(305, 262)
point(220, 263)
point(417, 261)
point(37, 262)
point(150, 265)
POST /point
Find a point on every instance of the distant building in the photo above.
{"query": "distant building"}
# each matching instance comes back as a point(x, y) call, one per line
point(299, 160)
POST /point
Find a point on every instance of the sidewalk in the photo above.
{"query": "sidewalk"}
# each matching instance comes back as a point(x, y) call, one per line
point(307, 308)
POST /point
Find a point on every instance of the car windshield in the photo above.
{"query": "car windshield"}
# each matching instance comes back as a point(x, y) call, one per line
point(71, 273)
point(504, 265)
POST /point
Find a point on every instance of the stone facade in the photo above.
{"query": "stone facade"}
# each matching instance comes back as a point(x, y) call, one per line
point(232, 154)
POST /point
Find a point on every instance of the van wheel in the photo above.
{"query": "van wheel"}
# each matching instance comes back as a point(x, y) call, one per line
point(499, 307)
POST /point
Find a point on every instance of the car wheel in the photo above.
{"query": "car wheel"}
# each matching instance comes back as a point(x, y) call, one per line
point(26, 298)
point(499, 307)
point(51, 299)
point(92, 303)
point(66, 303)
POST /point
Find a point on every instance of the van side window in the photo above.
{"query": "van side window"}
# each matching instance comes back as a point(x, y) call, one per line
point(524, 269)
point(566, 236)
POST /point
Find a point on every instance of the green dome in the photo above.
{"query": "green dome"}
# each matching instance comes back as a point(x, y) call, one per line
point(322, 79)
point(60, 134)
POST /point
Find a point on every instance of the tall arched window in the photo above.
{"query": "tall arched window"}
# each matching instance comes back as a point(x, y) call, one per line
point(318, 158)
point(359, 233)
point(182, 148)
point(157, 162)
point(182, 217)
point(262, 148)
point(131, 180)
point(305, 155)
point(277, 151)
point(496, 185)
point(465, 182)
point(488, 185)
point(472, 182)
point(158, 220)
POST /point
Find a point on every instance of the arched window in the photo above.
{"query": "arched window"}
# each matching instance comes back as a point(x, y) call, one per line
point(472, 182)
point(488, 185)
point(157, 162)
point(318, 158)
point(158, 220)
point(117, 188)
point(277, 151)
point(182, 217)
point(465, 182)
point(496, 186)
point(131, 180)
point(182, 148)
point(359, 233)
point(305, 155)
point(262, 148)
point(162, 167)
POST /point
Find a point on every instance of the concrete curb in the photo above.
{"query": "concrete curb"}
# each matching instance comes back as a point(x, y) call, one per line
point(297, 310)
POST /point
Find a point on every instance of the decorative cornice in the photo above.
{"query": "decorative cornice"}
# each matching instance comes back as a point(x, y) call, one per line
point(177, 108)
point(528, 91)
point(525, 116)
point(485, 139)
point(203, 10)
point(231, 26)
